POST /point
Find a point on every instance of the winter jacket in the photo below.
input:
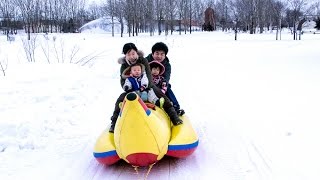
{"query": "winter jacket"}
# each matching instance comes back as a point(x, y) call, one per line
point(125, 65)
point(135, 83)
point(159, 80)
point(166, 64)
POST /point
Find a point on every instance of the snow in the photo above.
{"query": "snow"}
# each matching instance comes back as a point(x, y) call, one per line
point(253, 102)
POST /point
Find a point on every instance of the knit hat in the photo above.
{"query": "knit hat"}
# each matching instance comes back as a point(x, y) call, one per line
point(128, 46)
point(155, 64)
point(160, 46)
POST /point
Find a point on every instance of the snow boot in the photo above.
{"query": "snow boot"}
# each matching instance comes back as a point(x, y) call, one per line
point(179, 111)
point(174, 116)
point(112, 127)
point(159, 103)
point(113, 122)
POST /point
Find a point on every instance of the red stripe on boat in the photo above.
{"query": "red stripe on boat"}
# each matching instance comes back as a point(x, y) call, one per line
point(143, 104)
point(180, 153)
point(123, 103)
point(108, 160)
point(142, 159)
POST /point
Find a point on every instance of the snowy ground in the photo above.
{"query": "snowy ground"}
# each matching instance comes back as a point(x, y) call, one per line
point(253, 102)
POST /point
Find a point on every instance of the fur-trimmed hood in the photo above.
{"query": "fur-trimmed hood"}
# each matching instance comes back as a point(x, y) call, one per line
point(126, 73)
point(122, 60)
point(155, 63)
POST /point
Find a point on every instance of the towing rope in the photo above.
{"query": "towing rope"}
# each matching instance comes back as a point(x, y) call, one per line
point(136, 168)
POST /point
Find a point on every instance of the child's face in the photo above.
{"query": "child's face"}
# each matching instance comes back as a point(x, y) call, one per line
point(155, 71)
point(136, 71)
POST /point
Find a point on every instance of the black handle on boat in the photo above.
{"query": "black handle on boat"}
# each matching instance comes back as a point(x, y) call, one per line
point(131, 96)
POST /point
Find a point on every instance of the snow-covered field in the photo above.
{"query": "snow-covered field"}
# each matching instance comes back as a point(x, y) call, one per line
point(253, 102)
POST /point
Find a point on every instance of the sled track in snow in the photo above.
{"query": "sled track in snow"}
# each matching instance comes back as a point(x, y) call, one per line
point(230, 156)
point(259, 160)
point(90, 169)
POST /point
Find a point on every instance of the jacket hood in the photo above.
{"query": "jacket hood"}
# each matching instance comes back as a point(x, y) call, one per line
point(126, 73)
point(155, 63)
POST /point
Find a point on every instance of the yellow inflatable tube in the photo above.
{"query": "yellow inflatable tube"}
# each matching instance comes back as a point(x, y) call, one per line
point(144, 135)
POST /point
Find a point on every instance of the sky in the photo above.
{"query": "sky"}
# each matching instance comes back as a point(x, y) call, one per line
point(254, 104)
point(96, 1)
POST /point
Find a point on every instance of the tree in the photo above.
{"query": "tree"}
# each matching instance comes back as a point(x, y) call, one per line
point(318, 23)
point(7, 12)
point(149, 15)
point(278, 9)
point(27, 8)
point(296, 9)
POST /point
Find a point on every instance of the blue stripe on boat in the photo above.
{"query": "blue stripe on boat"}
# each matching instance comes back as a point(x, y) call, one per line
point(105, 154)
point(183, 146)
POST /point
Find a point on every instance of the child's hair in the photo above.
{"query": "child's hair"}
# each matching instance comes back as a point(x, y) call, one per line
point(136, 64)
point(127, 71)
point(156, 67)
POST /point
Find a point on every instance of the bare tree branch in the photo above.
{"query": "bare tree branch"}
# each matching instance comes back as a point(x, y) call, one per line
point(29, 47)
point(4, 67)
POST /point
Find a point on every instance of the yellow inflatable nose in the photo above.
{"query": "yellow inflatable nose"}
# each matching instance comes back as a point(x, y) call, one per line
point(141, 138)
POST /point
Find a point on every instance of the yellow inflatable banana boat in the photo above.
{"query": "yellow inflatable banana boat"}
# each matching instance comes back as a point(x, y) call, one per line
point(143, 135)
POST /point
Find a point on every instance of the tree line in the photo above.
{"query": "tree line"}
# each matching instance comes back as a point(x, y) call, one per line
point(154, 16)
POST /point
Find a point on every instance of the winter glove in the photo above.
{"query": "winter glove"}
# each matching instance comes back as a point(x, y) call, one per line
point(126, 89)
point(144, 80)
point(164, 87)
point(143, 88)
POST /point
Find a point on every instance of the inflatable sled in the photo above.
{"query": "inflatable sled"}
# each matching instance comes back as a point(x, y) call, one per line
point(143, 135)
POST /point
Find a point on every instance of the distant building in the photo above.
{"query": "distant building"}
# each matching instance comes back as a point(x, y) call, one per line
point(209, 20)
point(185, 23)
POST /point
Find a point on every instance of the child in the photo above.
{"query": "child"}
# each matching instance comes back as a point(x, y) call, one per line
point(157, 69)
point(136, 80)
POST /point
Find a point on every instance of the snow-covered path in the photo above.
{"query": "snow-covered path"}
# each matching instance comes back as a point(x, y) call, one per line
point(62, 148)
point(256, 117)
